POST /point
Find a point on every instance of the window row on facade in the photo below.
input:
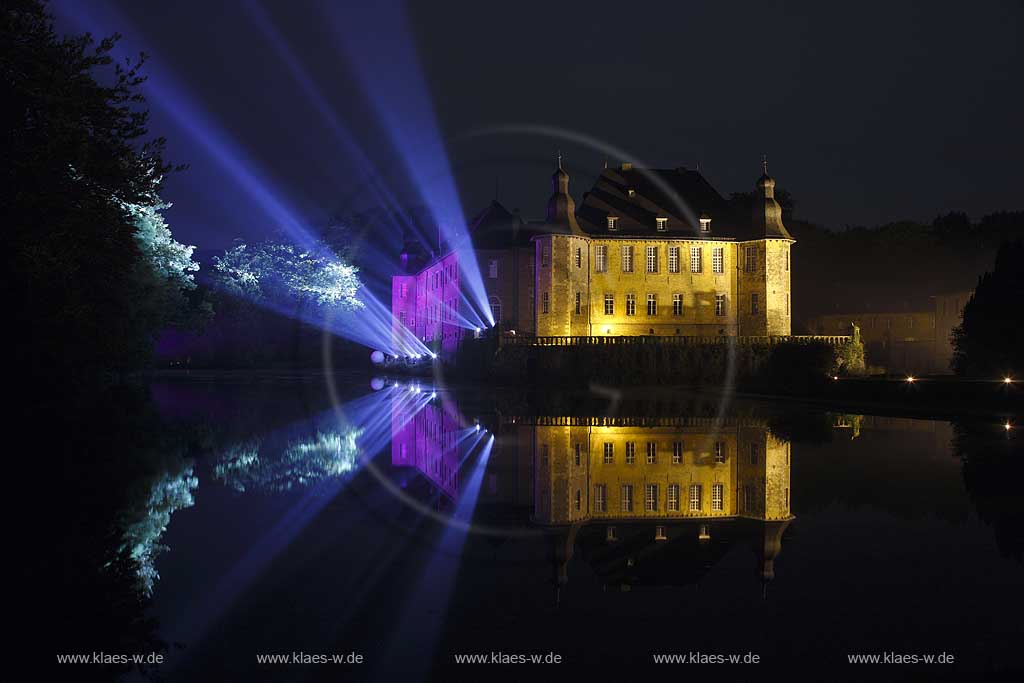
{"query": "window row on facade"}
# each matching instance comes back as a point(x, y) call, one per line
point(651, 453)
point(652, 500)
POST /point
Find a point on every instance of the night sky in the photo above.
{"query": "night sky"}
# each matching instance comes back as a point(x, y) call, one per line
point(868, 112)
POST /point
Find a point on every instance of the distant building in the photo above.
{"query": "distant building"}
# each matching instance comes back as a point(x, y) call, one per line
point(914, 339)
point(649, 252)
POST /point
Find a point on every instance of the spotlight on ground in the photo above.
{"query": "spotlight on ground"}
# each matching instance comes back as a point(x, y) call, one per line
point(911, 379)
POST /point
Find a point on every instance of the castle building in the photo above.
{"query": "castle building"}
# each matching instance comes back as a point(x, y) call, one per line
point(902, 336)
point(648, 252)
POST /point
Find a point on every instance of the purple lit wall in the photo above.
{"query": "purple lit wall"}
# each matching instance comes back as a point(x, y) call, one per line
point(428, 441)
point(431, 305)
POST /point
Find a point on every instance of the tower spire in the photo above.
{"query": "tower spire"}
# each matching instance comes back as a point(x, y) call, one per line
point(764, 163)
point(559, 158)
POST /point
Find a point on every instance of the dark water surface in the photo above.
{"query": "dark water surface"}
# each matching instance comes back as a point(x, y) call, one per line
point(409, 525)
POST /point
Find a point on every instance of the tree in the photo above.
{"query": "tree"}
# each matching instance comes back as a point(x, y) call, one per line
point(279, 274)
point(990, 340)
point(89, 259)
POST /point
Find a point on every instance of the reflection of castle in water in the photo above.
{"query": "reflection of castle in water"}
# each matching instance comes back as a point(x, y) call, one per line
point(430, 440)
point(643, 501)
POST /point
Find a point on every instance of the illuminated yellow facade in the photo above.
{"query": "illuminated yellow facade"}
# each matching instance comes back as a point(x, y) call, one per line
point(675, 470)
point(651, 270)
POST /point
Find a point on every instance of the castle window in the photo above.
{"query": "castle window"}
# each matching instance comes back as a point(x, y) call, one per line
point(630, 452)
point(718, 260)
point(717, 495)
point(631, 304)
point(787, 259)
point(753, 303)
point(659, 533)
point(719, 452)
point(673, 259)
point(652, 304)
point(579, 499)
point(579, 303)
point(677, 304)
point(705, 225)
point(601, 503)
point(627, 497)
point(631, 192)
point(404, 290)
point(787, 304)
point(600, 259)
point(753, 453)
point(579, 257)
point(695, 260)
point(695, 498)
point(627, 259)
point(492, 269)
point(662, 224)
point(401, 317)
point(673, 498)
point(545, 303)
point(613, 223)
point(545, 255)
point(609, 453)
point(651, 498)
point(495, 304)
point(577, 456)
point(652, 259)
point(609, 304)
point(750, 259)
point(652, 452)
point(719, 304)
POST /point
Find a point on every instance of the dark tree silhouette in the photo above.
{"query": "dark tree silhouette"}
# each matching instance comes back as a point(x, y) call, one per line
point(990, 340)
point(73, 137)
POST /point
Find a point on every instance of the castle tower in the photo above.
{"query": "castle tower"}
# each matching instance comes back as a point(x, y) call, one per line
point(561, 207)
point(765, 308)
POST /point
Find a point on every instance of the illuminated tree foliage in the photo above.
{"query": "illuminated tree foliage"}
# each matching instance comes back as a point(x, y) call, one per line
point(89, 261)
point(148, 515)
point(281, 274)
point(253, 466)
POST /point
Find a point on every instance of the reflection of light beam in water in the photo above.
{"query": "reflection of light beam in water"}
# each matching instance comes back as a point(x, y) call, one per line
point(372, 414)
point(415, 637)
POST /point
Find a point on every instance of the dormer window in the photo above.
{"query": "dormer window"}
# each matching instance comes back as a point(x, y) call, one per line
point(662, 224)
point(613, 223)
point(705, 224)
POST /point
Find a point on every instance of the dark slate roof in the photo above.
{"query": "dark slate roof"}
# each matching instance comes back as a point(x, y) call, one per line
point(497, 228)
point(679, 194)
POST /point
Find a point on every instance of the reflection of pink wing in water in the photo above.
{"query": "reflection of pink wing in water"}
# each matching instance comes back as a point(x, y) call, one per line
point(428, 441)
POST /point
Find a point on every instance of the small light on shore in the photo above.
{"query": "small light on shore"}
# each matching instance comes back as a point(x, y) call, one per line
point(1007, 426)
point(1007, 380)
point(835, 377)
point(910, 379)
